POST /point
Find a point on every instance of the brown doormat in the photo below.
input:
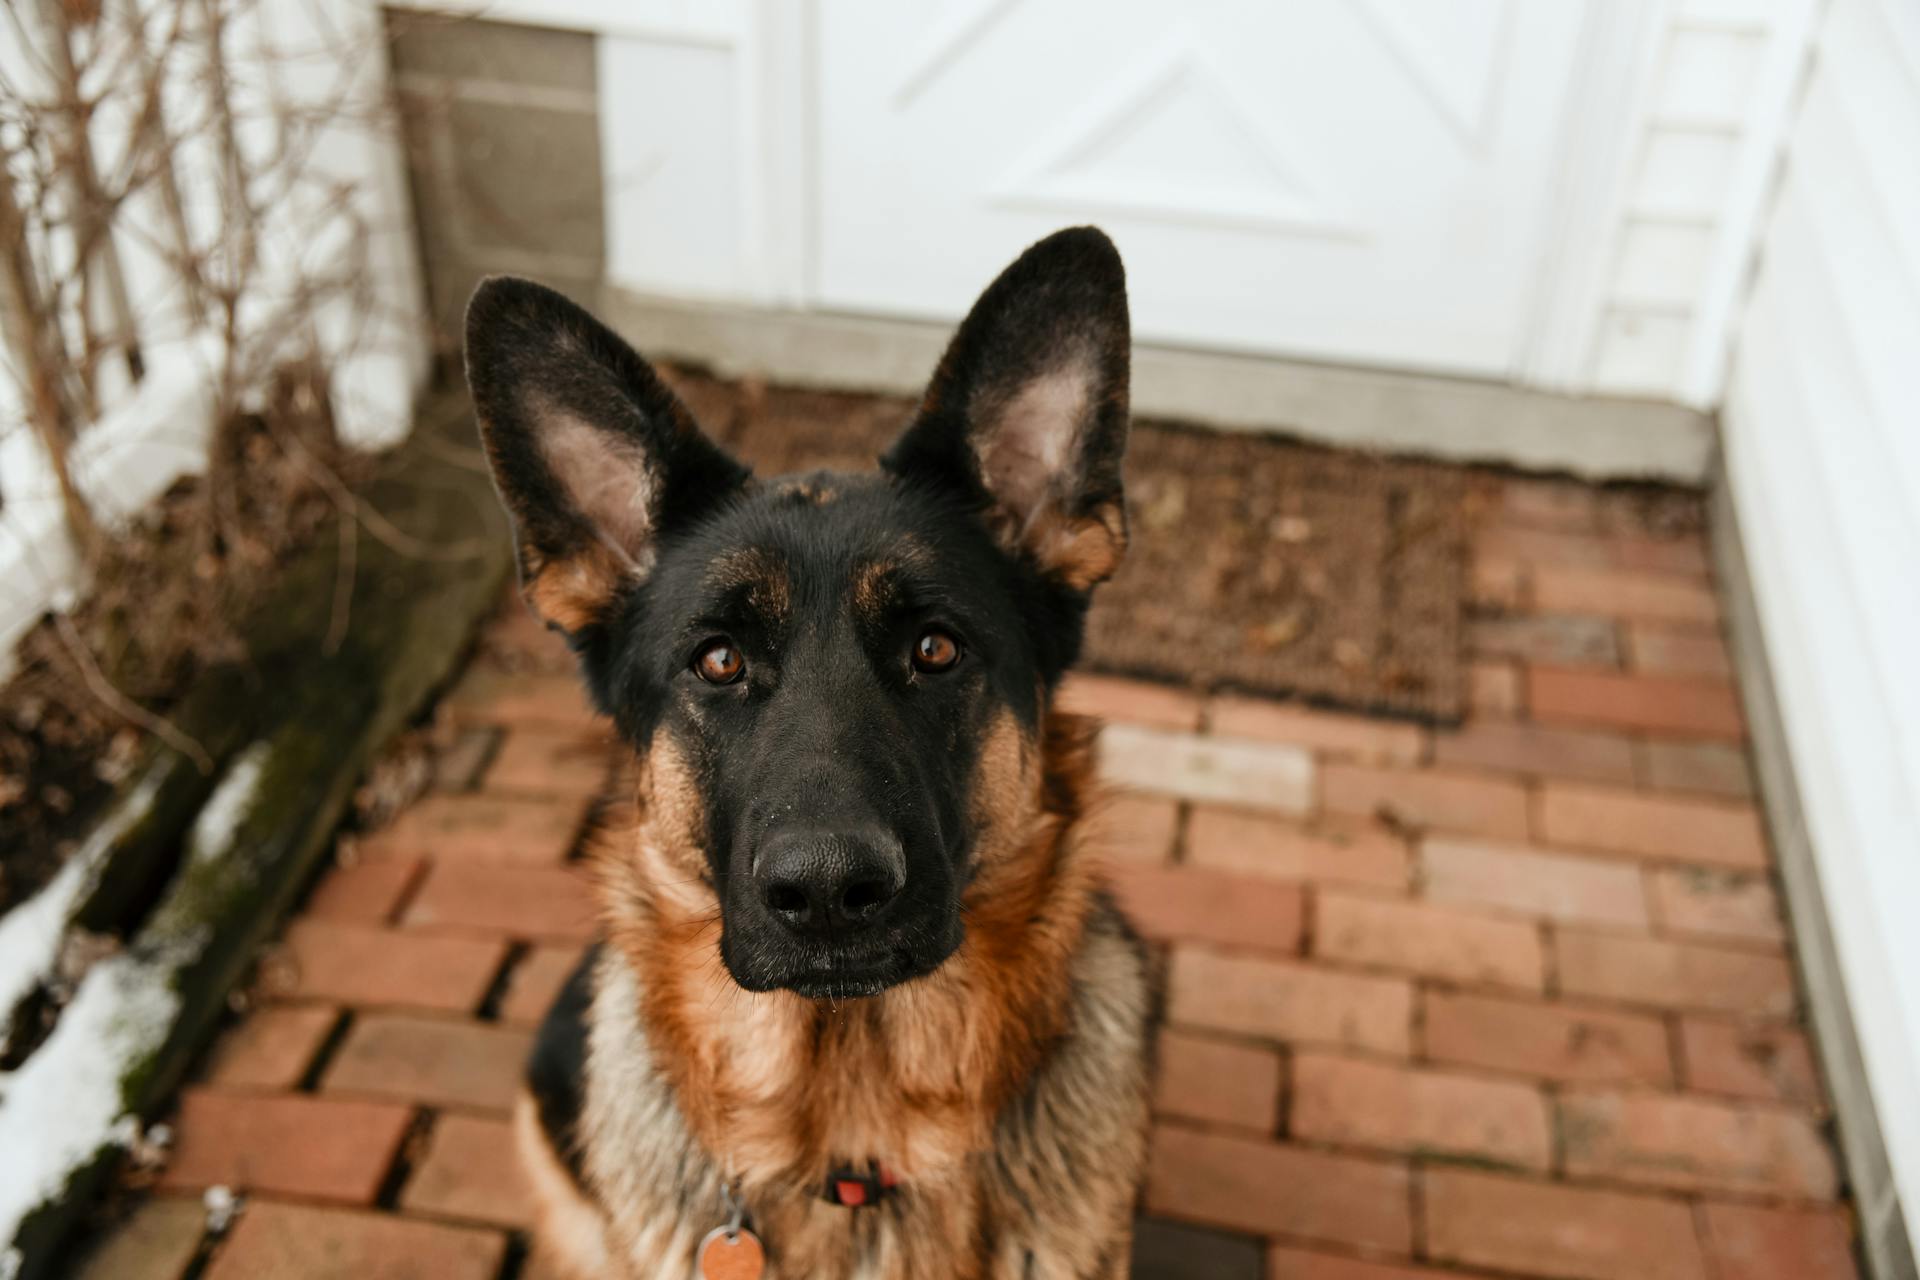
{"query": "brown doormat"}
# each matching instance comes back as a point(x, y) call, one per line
point(1256, 563)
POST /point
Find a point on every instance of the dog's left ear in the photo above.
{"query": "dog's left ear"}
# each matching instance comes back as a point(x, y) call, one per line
point(1026, 415)
point(595, 458)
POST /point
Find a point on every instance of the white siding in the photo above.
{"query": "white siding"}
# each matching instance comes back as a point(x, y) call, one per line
point(1822, 440)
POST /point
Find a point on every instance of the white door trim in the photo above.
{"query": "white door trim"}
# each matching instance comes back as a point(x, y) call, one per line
point(1782, 80)
point(1605, 118)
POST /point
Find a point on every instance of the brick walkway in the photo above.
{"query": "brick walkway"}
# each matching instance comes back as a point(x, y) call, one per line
point(1513, 1000)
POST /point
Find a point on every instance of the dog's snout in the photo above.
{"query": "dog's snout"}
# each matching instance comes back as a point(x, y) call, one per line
point(828, 882)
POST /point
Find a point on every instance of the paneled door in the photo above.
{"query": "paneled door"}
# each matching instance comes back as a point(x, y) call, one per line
point(1366, 181)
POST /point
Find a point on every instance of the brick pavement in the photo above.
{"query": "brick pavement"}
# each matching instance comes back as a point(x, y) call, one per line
point(1508, 1000)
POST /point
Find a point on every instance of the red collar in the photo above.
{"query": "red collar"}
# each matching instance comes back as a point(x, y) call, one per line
point(855, 1189)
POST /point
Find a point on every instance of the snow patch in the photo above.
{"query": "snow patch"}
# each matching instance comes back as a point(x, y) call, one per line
point(219, 818)
point(60, 1110)
point(31, 933)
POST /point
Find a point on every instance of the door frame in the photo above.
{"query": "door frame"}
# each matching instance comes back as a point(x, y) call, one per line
point(1603, 120)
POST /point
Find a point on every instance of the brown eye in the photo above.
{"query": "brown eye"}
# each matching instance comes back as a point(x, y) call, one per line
point(935, 651)
point(720, 663)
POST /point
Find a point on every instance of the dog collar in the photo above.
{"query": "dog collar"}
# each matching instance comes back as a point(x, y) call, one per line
point(854, 1189)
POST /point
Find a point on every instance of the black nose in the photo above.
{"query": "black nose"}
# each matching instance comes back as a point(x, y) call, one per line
point(830, 881)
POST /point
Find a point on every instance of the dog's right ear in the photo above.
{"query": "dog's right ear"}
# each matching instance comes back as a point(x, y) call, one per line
point(593, 456)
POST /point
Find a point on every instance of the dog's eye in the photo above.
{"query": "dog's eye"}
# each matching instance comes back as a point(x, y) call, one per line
point(935, 650)
point(719, 663)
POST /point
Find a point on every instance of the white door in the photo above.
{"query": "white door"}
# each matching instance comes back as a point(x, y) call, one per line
point(1355, 180)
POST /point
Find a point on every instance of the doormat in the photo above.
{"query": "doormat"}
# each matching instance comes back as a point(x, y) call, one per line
point(1256, 564)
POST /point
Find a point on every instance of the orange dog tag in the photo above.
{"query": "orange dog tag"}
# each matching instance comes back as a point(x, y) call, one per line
point(732, 1253)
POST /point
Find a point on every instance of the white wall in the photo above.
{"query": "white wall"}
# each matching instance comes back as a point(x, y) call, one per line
point(1821, 431)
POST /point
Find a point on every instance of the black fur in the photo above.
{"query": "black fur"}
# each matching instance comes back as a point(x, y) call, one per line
point(557, 1068)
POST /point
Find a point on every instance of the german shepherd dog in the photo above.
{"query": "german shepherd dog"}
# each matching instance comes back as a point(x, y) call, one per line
point(862, 1007)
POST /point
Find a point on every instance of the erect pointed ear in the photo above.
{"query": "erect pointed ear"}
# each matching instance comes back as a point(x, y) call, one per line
point(1027, 413)
point(593, 456)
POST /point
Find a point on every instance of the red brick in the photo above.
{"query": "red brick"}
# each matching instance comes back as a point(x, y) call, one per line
point(1286, 1000)
point(1493, 688)
point(455, 1064)
point(1266, 1188)
point(1189, 904)
point(1695, 1144)
point(1680, 557)
point(1217, 1082)
point(154, 1242)
point(272, 1048)
point(285, 1144)
point(1715, 904)
point(1748, 1242)
point(1329, 733)
point(298, 1242)
point(540, 903)
point(1549, 504)
point(1677, 651)
point(482, 828)
point(1475, 804)
point(1284, 1262)
point(1356, 1103)
point(1623, 593)
point(1535, 750)
point(1653, 826)
point(1427, 939)
point(1131, 701)
point(1340, 852)
point(535, 983)
point(1560, 1042)
point(1558, 639)
point(538, 762)
point(368, 965)
point(1511, 1224)
point(525, 642)
point(1749, 1060)
point(1672, 975)
point(1533, 882)
point(471, 1171)
point(1705, 767)
point(367, 891)
point(1232, 771)
point(495, 697)
point(1685, 556)
point(458, 764)
point(1653, 704)
point(1522, 545)
point(1496, 585)
point(1135, 828)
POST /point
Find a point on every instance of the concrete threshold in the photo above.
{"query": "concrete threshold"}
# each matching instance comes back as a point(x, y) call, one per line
point(1453, 419)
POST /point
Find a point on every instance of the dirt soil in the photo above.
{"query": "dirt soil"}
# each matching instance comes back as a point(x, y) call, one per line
point(1256, 563)
point(158, 614)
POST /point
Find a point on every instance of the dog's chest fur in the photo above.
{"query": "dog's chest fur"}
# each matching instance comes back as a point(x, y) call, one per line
point(1043, 1192)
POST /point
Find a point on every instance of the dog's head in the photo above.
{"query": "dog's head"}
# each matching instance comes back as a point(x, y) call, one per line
point(824, 674)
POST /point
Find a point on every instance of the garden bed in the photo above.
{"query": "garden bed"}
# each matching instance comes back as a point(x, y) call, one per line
point(115, 968)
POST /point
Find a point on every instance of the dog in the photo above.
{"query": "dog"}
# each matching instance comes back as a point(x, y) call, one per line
point(861, 1005)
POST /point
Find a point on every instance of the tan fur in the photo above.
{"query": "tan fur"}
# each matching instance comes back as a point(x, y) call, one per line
point(773, 1088)
point(810, 491)
point(873, 586)
point(764, 576)
point(571, 593)
point(571, 1232)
